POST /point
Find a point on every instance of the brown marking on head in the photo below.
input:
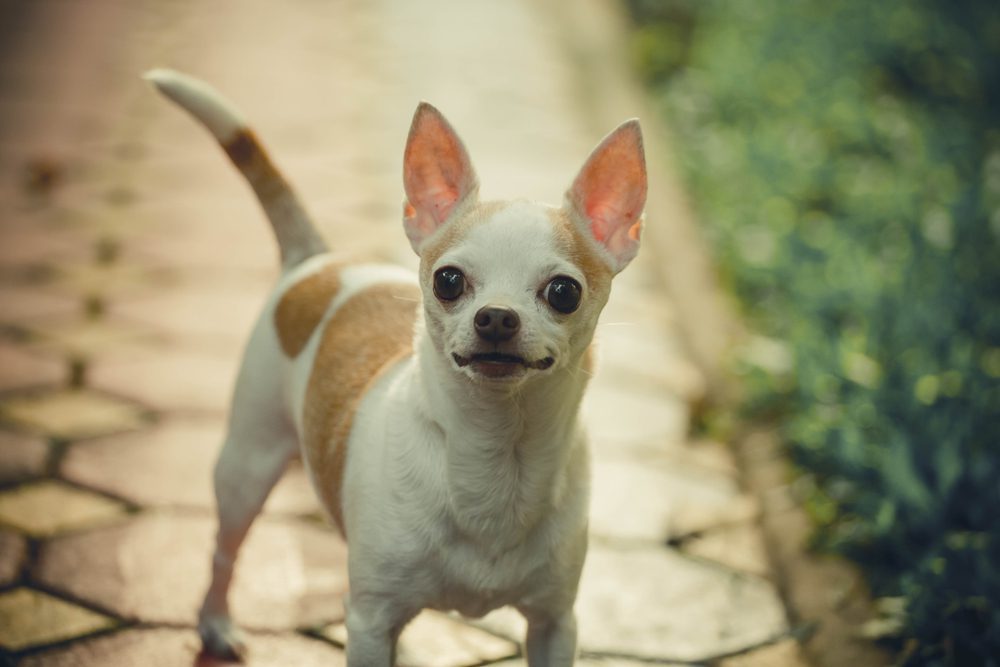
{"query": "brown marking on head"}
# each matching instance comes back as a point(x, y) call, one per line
point(365, 336)
point(581, 251)
point(453, 232)
point(302, 306)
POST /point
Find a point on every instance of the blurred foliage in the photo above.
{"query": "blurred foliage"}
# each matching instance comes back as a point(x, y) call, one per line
point(845, 160)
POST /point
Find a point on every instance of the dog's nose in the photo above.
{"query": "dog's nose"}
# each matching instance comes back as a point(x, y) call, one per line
point(496, 323)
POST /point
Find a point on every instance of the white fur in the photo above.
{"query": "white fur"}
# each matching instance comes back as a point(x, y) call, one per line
point(218, 115)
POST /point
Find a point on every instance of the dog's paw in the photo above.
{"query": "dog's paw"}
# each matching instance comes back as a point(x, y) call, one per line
point(222, 639)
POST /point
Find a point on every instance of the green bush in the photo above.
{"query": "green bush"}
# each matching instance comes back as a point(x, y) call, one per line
point(845, 160)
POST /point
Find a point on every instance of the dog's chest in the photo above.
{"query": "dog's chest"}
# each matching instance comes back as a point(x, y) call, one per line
point(493, 549)
point(460, 542)
point(475, 578)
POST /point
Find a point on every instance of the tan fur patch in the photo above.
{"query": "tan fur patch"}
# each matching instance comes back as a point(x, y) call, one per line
point(302, 307)
point(249, 156)
point(370, 331)
point(453, 232)
point(581, 251)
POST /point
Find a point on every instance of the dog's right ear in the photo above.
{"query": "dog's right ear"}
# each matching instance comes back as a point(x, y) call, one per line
point(609, 194)
point(437, 174)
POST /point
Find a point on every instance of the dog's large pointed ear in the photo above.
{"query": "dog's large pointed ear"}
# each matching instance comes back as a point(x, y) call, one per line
point(609, 194)
point(437, 174)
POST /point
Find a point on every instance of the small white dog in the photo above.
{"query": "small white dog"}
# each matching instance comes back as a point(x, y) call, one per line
point(444, 438)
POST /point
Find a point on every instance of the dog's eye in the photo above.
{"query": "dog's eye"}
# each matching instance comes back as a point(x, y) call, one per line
point(563, 294)
point(449, 283)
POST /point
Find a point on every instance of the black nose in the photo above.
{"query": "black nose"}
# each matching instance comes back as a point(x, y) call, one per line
point(496, 324)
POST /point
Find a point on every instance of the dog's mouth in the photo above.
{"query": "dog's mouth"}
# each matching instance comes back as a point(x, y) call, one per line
point(501, 365)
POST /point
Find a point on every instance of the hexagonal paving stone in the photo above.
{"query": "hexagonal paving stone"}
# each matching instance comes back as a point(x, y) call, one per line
point(619, 415)
point(634, 497)
point(70, 415)
point(48, 507)
point(172, 465)
point(170, 379)
point(20, 303)
point(656, 603)
point(691, 516)
point(120, 279)
point(160, 647)
point(78, 337)
point(711, 454)
point(155, 568)
point(31, 618)
point(219, 318)
point(13, 550)
point(188, 242)
point(739, 546)
point(785, 653)
point(637, 351)
point(34, 239)
point(434, 639)
point(21, 456)
point(20, 369)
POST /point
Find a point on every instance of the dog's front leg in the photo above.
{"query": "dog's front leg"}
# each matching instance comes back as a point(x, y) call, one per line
point(551, 639)
point(373, 627)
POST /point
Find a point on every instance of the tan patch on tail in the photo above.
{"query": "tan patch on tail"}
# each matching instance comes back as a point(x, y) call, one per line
point(252, 159)
point(297, 238)
point(249, 156)
point(366, 335)
point(302, 307)
point(243, 148)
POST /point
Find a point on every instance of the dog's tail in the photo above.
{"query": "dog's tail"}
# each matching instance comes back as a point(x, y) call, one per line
point(297, 237)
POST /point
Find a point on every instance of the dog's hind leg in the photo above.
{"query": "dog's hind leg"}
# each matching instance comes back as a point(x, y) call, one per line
point(256, 452)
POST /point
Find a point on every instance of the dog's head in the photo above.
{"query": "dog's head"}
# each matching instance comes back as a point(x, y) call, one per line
point(514, 289)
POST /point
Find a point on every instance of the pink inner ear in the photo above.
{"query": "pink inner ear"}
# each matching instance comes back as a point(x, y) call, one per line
point(437, 173)
point(610, 190)
point(439, 201)
point(603, 220)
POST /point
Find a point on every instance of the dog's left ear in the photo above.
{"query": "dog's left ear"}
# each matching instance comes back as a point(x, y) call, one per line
point(437, 174)
point(609, 194)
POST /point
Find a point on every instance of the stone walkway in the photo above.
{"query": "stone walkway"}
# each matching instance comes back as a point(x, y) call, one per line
point(133, 261)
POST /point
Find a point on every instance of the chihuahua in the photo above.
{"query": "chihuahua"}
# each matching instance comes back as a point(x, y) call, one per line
point(437, 414)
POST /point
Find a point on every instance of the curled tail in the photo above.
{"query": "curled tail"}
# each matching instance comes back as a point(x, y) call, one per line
point(297, 237)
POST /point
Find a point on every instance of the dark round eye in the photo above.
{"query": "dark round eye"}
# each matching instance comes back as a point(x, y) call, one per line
point(563, 294)
point(449, 283)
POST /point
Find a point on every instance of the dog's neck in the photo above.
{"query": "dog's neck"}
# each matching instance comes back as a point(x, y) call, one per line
point(506, 448)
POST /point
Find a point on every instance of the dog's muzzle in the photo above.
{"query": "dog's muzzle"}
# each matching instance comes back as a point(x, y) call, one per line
point(500, 364)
